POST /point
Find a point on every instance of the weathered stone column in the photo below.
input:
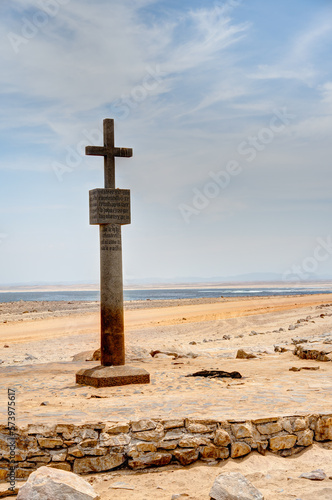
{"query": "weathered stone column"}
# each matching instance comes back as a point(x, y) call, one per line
point(111, 296)
point(110, 208)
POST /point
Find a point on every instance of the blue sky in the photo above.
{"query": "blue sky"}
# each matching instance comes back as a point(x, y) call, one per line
point(233, 90)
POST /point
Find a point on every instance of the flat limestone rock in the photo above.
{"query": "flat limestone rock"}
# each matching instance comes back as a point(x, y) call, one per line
point(47, 483)
point(234, 486)
point(108, 376)
point(315, 475)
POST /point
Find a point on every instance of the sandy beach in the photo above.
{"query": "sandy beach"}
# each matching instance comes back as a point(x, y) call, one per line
point(39, 353)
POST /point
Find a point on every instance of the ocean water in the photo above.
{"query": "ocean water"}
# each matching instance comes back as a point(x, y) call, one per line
point(165, 294)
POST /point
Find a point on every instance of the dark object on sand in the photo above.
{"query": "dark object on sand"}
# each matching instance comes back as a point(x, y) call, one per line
point(215, 374)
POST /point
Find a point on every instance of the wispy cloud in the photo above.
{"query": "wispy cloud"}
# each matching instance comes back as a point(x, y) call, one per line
point(82, 61)
point(299, 63)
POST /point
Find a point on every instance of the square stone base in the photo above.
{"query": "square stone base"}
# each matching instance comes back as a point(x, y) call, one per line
point(108, 376)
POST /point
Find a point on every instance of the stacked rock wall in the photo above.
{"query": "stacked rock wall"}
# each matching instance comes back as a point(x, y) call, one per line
point(154, 443)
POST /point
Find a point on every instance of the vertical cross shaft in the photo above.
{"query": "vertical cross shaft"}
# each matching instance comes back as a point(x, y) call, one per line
point(109, 160)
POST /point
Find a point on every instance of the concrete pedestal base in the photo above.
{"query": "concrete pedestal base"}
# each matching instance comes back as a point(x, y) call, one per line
point(108, 376)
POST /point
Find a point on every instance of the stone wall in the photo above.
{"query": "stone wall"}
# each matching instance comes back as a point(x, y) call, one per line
point(154, 443)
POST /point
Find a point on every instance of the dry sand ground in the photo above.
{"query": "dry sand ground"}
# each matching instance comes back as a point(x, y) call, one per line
point(175, 325)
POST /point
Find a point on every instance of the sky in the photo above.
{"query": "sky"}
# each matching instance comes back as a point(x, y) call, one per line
point(227, 106)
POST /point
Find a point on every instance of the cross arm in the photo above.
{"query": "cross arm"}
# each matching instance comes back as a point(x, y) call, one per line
point(96, 151)
point(105, 151)
point(123, 152)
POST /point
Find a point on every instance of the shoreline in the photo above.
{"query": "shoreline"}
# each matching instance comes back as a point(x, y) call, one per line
point(193, 308)
point(169, 286)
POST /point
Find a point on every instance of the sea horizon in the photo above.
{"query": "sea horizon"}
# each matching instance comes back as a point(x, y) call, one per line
point(175, 292)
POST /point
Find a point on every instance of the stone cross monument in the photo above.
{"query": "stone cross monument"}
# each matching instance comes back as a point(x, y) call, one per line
point(110, 208)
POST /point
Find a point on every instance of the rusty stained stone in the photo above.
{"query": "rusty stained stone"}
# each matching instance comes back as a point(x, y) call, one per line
point(60, 465)
point(150, 460)
point(75, 451)
point(143, 425)
point(222, 438)
point(173, 424)
point(44, 430)
point(186, 456)
point(167, 445)
point(50, 442)
point(59, 455)
point(98, 464)
point(282, 442)
point(269, 428)
point(193, 441)
point(155, 434)
point(116, 428)
point(239, 449)
point(324, 429)
point(115, 440)
point(305, 438)
point(145, 447)
point(213, 452)
point(195, 428)
point(241, 431)
point(88, 443)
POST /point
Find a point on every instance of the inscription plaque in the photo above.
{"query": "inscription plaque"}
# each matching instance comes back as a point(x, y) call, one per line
point(109, 206)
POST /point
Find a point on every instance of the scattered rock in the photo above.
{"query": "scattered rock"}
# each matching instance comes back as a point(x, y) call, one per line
point(121, 486)
point(278, 348)
point(299, 341)
point(30, 357)
point(193, 343)
point(291, 327)
point(215, 374)
point(315, 475)
point(314, 352)
point(57, 484)
point(241, 354)
point(226, 337)
point(6, 345)
point(296, 369)
point(234, 486)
